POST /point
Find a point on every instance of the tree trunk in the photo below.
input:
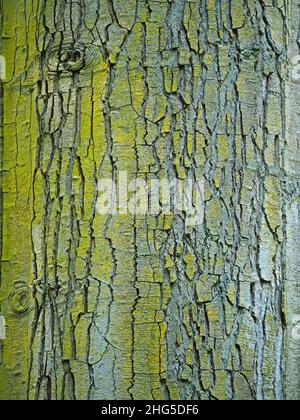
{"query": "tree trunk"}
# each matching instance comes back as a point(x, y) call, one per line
point(131, 307)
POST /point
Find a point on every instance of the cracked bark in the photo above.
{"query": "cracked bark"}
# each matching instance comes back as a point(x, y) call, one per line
point(145, 308)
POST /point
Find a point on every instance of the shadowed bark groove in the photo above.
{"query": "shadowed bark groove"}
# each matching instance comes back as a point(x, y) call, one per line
point(131, 307)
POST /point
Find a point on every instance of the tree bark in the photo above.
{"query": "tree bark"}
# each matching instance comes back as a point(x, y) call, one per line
point(130, 307)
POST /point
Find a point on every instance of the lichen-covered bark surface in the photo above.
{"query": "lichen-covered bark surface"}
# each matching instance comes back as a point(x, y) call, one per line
point(131, 307)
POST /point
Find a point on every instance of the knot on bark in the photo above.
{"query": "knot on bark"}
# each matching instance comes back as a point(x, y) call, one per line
point(72, 57)
point(19, 298)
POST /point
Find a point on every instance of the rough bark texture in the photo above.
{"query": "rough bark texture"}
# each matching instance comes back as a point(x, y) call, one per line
point(146, 308)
